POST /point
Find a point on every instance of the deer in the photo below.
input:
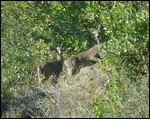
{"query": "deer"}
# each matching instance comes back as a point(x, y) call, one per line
point(51, 68)
point(85, 58)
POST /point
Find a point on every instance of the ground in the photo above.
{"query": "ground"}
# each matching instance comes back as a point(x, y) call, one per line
point(72, 100)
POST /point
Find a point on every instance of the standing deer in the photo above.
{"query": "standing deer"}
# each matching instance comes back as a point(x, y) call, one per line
point(88, 57)
point(54, 67)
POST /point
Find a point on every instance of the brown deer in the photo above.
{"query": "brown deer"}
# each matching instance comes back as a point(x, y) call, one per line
point(88, 57)
point(54, 67)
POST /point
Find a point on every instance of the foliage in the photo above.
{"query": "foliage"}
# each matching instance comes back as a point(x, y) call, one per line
point(128, 30)
point(28, 28)
point(126, 54)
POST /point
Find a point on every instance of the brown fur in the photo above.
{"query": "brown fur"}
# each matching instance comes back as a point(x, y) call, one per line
point(88, 57)
point(48, 68)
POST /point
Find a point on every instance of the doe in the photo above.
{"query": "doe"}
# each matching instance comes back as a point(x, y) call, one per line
point(88, 57)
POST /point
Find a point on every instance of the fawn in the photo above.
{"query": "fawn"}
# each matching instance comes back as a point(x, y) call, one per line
point(54, 67)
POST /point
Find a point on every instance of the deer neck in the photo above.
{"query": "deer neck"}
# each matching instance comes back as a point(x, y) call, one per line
point(60, 58)
point(97, 41)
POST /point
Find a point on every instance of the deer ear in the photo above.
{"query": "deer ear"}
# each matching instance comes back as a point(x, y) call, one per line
point(63, 45)
point(52, 48)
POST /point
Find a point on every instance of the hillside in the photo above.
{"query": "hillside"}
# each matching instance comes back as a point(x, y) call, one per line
point(72, 100)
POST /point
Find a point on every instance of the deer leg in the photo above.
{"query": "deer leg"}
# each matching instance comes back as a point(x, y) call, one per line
point(68, 76)
point(73, 70)
point(38, 73)
point(100, 56)
point(39, 76)
point(54, 80)
point(69, 73)
point(95, 59)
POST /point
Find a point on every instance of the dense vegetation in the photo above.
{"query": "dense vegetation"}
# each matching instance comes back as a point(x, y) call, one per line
point(29, 27)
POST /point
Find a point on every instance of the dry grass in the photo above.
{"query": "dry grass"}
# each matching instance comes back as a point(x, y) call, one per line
point(61, 101)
